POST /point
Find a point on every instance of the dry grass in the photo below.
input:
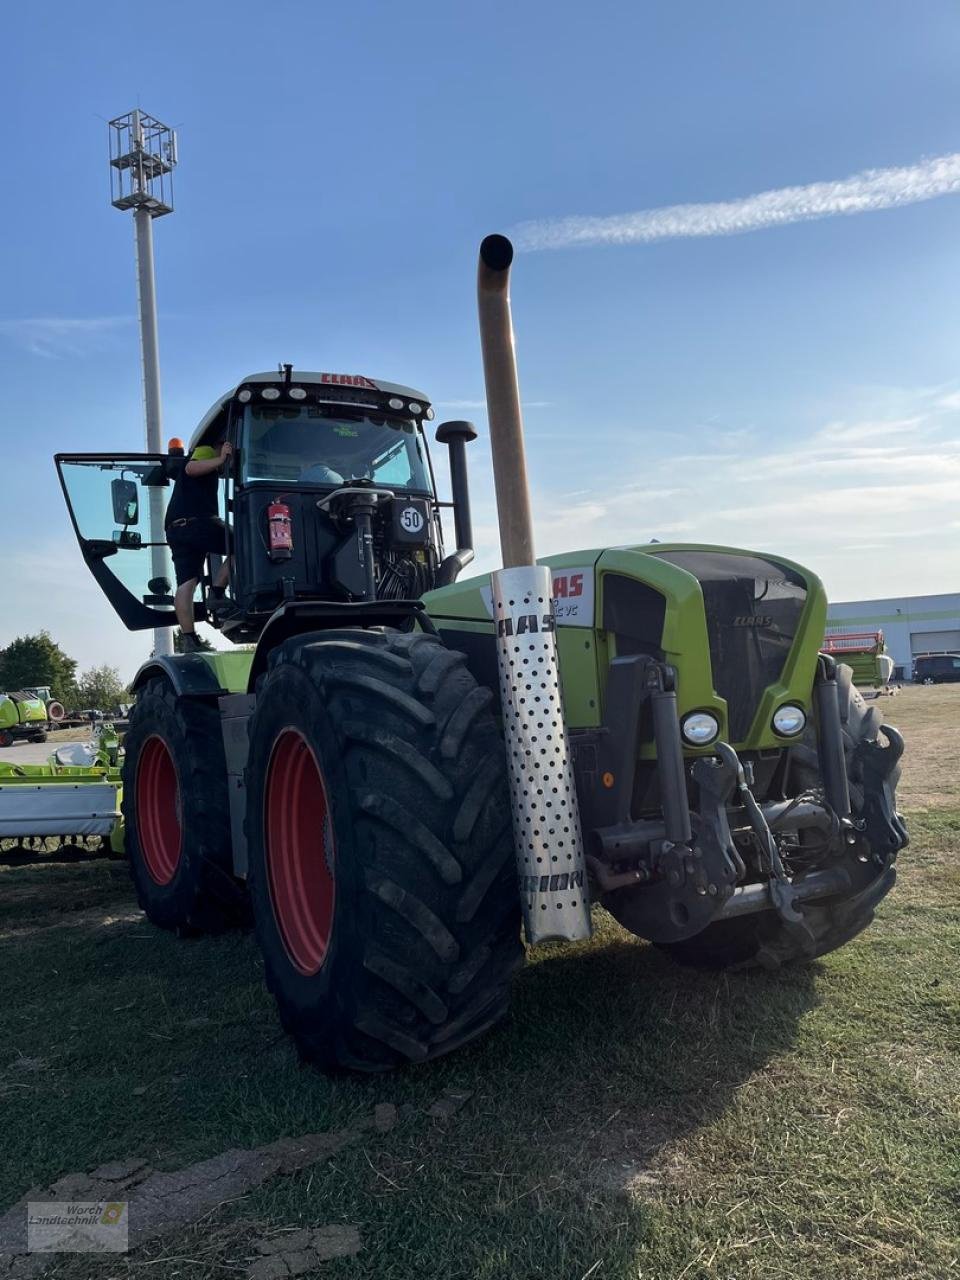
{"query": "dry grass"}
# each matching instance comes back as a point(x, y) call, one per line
point(634, 1121)
point(929, 718)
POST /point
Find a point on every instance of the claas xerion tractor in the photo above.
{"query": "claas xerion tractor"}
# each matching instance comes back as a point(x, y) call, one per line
point(398, 762)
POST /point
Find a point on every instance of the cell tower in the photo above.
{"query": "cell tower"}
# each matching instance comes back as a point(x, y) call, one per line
point(143, 155)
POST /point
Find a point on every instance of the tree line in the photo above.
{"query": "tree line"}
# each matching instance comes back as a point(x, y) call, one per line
point(38, 660)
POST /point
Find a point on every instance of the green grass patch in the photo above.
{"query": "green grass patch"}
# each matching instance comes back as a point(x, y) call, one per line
point(634, 1118)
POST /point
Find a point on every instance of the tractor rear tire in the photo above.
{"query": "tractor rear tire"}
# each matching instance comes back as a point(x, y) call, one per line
point(381, 863)
point(764, 940)
point(176, 813)
point(6, 738)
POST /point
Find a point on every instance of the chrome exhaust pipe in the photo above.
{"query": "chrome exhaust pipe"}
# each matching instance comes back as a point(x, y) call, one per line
point(546, 816)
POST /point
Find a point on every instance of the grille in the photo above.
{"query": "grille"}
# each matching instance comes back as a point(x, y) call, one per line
point(753, 609)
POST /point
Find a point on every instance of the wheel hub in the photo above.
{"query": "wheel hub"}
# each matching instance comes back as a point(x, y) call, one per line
point(299, 851)
point(158, 811)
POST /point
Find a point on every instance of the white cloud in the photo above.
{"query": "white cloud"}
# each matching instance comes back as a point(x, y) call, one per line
point(864, 192)
point(867, 502)
point(53, 336)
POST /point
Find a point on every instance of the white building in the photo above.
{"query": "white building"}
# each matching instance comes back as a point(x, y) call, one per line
point(910, 624)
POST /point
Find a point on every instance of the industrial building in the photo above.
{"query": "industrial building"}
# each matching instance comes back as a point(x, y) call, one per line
point(910, 624)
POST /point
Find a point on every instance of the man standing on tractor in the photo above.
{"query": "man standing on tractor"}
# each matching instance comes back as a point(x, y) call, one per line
point(194, 529)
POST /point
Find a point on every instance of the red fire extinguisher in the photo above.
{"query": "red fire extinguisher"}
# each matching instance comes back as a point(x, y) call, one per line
point(281, 530)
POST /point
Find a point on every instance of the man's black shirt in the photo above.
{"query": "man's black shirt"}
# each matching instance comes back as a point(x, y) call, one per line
point(193, 497)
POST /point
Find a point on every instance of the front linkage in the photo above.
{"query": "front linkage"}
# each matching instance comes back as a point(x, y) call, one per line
point(671, 876)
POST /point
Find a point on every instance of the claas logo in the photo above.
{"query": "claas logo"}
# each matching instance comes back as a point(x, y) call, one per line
point(348, 380)
point(567, 585)
point(525, 624)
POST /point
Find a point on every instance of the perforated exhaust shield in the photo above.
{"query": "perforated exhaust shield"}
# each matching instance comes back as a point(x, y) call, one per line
point(546, 816)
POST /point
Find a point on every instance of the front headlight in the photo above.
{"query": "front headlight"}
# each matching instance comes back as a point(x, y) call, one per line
point(699, 728)
point(789, 720)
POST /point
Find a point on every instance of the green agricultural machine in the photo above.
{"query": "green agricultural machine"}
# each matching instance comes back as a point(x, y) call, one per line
point(23, 717)
point(397, 764)
point(865, 653)
point(66, 810)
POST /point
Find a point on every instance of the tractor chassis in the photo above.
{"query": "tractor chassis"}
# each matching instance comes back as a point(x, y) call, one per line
point(683, 868)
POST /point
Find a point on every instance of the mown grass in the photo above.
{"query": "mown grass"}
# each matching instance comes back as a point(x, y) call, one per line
point(632, 1120)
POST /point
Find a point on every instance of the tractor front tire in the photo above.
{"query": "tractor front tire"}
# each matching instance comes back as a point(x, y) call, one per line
point(765, 940)
point(176, 813)
point(381, 864)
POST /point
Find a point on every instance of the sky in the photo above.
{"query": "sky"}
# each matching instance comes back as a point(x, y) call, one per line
point(735, 294)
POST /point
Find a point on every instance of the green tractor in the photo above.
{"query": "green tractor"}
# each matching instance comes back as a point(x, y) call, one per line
point(397, 763)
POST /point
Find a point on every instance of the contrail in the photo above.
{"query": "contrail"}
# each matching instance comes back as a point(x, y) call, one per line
point(862, 193)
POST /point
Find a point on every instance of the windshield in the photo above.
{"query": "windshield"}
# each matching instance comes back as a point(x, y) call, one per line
point(317, 445)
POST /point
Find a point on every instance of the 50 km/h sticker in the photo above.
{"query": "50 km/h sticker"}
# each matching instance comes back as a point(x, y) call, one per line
point(411, 519)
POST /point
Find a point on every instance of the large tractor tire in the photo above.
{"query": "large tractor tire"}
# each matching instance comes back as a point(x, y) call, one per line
point(381, 864)
point(765, 939)
point(176, 813)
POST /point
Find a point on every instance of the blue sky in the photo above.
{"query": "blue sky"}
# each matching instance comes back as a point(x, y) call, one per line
point(794, 388)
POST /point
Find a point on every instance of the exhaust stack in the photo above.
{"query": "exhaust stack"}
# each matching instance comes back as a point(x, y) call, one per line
point(546, 816)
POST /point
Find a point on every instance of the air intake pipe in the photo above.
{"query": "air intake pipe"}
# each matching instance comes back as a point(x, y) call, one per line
point(456, 435)
point(546, 815)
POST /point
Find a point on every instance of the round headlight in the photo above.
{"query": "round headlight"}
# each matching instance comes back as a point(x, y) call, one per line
point(789, 720)
point(297, 393)
point(395, 402)
point(429, 415)
point(415, 408)
point(244, 395)
point(270, 393)
point(699, 728)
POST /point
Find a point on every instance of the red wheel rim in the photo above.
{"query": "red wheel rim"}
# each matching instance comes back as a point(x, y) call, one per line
point(298, 837)
point(158, 811)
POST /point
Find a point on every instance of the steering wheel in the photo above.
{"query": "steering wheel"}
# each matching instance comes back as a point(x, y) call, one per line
point(367, 490)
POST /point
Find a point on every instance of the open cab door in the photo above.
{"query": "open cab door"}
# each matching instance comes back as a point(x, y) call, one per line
point(117, 504)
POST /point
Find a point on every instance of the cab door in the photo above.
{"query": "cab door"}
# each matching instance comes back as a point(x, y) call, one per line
point(117, 504)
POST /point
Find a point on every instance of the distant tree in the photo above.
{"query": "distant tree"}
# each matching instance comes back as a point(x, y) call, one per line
point(101, 688)
point(178, 642)
point(38, 660)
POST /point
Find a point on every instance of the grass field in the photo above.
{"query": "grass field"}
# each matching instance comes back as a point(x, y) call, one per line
point(633, 1120)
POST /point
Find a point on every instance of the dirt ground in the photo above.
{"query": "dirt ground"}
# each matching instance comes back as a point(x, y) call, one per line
point(929, 718)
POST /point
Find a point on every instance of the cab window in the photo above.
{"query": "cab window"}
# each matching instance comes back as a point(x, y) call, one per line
point(314, 445)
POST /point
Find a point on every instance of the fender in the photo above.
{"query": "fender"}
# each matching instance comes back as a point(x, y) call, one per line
point(189, 673)
point(296, 616)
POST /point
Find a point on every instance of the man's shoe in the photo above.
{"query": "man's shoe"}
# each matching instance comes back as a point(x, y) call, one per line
point(218, 606)
point(190, 643)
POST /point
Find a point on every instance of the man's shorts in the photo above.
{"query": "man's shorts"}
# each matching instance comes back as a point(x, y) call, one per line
point(190, 543)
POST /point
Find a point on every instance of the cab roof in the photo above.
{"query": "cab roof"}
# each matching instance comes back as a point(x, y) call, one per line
point(301, 378)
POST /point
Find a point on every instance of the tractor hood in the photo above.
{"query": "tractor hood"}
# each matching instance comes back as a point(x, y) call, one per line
point(742, 629)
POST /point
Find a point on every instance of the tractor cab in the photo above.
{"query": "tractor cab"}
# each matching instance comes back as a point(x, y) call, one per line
point(329, 496)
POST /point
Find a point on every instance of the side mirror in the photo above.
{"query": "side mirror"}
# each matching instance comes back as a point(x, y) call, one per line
point(127, 540)
point(126, 501)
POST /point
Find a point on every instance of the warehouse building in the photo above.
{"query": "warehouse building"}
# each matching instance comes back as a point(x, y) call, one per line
point(910, 624)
